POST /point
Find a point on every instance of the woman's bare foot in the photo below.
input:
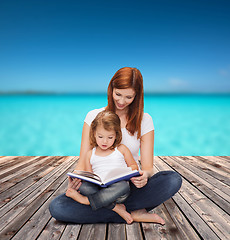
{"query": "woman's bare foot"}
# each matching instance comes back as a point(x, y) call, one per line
point(77, 196)
point(121, 210)
point(143, 216)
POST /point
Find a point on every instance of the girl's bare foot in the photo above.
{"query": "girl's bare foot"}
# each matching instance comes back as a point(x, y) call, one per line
point(143, 216)
point(121, 210)
point(77, 196)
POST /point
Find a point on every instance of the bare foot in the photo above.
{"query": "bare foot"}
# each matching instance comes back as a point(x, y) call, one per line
point(143, 216)
point(121, 210)
point(77, 196)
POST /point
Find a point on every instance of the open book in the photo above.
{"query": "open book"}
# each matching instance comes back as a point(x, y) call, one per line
point(116, 175)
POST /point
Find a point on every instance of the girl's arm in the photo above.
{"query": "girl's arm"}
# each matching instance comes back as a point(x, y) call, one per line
point(128, 157)
point(85, 147)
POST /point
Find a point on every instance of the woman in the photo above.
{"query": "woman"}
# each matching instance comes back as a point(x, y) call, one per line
point(125, 98)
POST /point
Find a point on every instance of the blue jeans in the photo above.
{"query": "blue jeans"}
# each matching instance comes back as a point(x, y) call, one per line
point(105, 197)
point(160, 187)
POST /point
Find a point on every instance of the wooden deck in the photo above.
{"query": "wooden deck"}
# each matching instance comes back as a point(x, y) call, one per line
point(201, 209)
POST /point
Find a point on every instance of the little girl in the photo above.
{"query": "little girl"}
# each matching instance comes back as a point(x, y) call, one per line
point(107, 154)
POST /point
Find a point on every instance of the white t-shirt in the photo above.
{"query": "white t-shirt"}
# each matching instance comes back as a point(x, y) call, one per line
point(128, 140)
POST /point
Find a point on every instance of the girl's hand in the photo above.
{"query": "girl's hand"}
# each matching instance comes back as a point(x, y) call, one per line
point(74, 183)
point(140, 181)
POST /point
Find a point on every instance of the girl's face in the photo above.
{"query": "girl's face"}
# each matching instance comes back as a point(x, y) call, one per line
point(104, 138)
point(123, 97)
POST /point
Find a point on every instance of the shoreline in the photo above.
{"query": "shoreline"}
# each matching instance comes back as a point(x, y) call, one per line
point(33, 93)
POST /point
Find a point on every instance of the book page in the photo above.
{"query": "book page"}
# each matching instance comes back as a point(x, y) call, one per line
point(87, 174)
point(88, 179)
point(116, 173)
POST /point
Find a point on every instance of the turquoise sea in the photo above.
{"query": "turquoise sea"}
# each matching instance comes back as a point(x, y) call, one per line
point(52, 124)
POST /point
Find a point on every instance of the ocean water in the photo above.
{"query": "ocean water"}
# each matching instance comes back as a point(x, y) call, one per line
point(52, 124)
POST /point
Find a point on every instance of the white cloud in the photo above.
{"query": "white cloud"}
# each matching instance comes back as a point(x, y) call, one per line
point(225, 72)
point(176, 82)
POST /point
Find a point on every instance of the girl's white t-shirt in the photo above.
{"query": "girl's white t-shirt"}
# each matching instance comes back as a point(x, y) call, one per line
point(128, 140)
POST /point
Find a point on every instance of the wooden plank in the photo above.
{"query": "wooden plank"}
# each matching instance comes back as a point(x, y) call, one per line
point(53, 231)
point(156, 231)
point(220, 187)
point(227, 158)
point(37, 222)
point(7, 160)
point(4, 159)
point(210, 190)
point(71, 232)
point(212, 215)
point(116, 231)
point(45, 163)
point(34, 189)
point(192, 217)
point(22, 171)
point(13, 187)
point(150, 232)
point(215, 217)
point(196, 221)
point(17, 164)
point(177, 226)
point(212, 164)
point(92, 232)
point(217, 162)
point(184, 227)
point(209, 169)
point(32, 201)
point(133, 231)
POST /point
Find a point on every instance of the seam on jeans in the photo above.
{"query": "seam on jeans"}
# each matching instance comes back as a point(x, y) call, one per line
point(92, 204)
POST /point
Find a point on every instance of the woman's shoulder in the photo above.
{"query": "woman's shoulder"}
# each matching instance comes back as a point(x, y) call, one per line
point(95, 111)
point(146, 124)
point(146, 117)
point(92, 114)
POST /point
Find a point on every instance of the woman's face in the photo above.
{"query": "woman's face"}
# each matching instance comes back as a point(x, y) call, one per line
point(123, 97)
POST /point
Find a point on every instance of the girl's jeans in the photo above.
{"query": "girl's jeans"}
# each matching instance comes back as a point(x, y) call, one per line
point(105, 197)
point(160, 187)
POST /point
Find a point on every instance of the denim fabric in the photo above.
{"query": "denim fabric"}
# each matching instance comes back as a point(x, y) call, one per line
point(160, 187)
point(105, 197)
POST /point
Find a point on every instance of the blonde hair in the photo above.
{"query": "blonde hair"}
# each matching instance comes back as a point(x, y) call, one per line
point(109, 121)
point(128, 77)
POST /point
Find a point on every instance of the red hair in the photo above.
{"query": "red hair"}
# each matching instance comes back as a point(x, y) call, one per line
point(128, 77)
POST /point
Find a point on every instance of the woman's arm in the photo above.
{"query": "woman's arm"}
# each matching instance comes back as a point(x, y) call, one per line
point(82, 162)
point(128, 157)
point(146, 152)
point(88, 166)
point(85, 147)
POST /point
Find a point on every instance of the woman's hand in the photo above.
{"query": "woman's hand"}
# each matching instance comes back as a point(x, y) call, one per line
point(140, 181)
point(74, 183)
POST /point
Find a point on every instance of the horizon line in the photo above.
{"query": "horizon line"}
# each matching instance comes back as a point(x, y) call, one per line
point(32, 92)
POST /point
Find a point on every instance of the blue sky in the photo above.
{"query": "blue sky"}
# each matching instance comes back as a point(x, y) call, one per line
point(77, 46)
